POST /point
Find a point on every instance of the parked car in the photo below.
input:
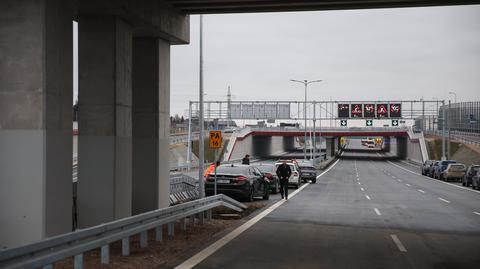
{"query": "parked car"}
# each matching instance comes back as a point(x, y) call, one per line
point(442, 165)
point(295, 178)
point(238, 181)
point(269, 170)
point(471, 171)
point(454, 171)
point(476, 181)
point(426, 167)
point(308, 172)
point(431, 169)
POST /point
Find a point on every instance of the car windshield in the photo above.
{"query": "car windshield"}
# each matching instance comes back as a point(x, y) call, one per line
point(265, 168)
point(236, 170)
point(307, 168)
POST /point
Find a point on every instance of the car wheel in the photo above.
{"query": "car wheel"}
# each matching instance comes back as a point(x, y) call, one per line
point(314, 181)
point(463, 183)
point(275, 188)
point(266, 195)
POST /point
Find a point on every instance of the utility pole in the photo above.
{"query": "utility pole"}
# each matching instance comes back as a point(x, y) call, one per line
point(189, 140)
point(443, 130)
point(229, 110)
point(201, 140)
point(449, 119)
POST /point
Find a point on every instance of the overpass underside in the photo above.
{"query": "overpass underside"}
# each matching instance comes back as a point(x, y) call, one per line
point(124, 95)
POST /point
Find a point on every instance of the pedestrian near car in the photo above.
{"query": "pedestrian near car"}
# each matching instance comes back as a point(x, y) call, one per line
point(246, 159)
point(283, 173)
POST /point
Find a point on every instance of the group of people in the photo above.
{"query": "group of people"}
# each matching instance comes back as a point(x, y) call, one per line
point(283, 172)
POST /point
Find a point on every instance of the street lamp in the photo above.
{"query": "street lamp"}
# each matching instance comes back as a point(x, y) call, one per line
point(305, 83)
point(455, 96)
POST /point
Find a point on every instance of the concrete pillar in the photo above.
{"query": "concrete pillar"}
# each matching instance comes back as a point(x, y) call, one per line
point(35, 120)
point(330, 144)
point(150, 62)
point(105, 120)
point(288, 143)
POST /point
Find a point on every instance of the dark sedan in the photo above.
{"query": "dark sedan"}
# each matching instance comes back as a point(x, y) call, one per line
point(269, 170)
point(238, 181)
point(426, 167)
point(308, 173)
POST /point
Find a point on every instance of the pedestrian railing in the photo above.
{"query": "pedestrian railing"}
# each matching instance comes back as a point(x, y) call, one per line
point(183, 188)
point(46, 252)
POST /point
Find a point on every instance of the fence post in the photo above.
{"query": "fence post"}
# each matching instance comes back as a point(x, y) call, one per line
point(171, 230)
point(184, 224)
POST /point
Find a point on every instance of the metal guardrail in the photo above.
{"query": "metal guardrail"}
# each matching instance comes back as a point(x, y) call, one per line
point(45, 253)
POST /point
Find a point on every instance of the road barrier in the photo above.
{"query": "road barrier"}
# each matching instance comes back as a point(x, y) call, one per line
point(46, 252)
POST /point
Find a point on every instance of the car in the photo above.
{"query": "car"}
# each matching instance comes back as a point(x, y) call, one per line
point(471, 171)
point(269, 170)
point(476, 180)
point(238, 181)
point(431, 169)
point(454, 171)
point(442, 165)
point(426, 167)
point(308, 172)
point(295, 178)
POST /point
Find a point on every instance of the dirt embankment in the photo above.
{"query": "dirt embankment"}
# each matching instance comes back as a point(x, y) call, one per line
point(168, 252)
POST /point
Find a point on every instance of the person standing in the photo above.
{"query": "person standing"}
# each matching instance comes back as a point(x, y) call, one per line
point(284, 172)
point(246, 159)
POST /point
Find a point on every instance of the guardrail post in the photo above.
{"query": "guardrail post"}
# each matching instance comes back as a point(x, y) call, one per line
point(201, 217)
point(126, 246)
point(171, 230)
point(192, 220)
point(184, 224)
point(209, 215)
point(144, 239)
point(78, 261)
point(48, 266)
point(159, 233)
point(105, 254)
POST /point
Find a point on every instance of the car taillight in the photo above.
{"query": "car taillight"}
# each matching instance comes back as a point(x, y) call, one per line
point(269, 175)
point(295, 174)
point(241, 178)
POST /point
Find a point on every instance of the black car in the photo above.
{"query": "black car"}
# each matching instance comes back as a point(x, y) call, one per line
point(308, 173)
point(471, 171)
point(269, 170)
point(476, 181)
point(238, 181)
point(426, 167)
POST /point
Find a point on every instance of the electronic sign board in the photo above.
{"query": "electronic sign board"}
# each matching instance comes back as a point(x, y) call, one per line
point(369, 110)
point(382, 111)
point(343, 111)
point(356, 110)
point(395, 110)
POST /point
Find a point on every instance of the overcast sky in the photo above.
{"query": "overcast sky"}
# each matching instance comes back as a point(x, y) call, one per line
point(405, 53)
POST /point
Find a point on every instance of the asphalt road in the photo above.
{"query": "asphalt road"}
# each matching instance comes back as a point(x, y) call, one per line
point(363, 213)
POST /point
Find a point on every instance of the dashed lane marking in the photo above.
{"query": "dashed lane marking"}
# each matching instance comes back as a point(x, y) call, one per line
point(476, 213)
point(443, 200)
point(368, 197)
point(408, 185)
point(362, 189)
point(422, 191)
point(377, 211)
point(397, 242)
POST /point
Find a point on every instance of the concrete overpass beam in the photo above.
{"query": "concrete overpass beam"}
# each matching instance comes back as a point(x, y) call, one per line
point(150, 78)
point(35, 120)
point(105, 119)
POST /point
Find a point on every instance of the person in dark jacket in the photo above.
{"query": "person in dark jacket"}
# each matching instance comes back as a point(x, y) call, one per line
point(246, 159)
point(283, 173)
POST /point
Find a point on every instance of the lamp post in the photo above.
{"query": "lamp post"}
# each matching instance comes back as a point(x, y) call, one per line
point(305, 83)
point(455, 96)
point(201, 158)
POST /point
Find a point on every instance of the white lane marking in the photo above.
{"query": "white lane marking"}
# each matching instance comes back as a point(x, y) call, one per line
point(408, 185)
point(399, 180)
point(443, 200)
point(476, 213)
point(393, 177)
point(362, 189)
point(368, 197)
point(422, 191)
point(377, 211)
point(202, 255)
point(433, 180)
point(397, 242)
point(358, 179)
point(359, 183)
